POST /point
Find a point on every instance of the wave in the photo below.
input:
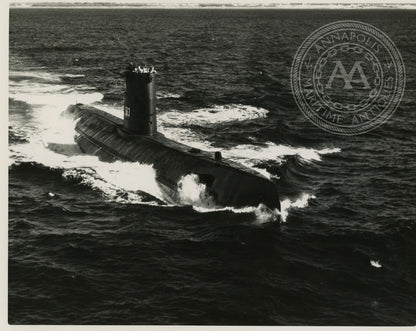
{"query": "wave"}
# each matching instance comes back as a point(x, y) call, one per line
point(196, 194)
point(45, 98)
point(38, 76)
point(54, 96)
point(192, 192)
point(47, 89)
point(270, 151)
point(168, 95)
point(73, 75)
point(262, 213)
point(253, 155)
point(121, 182)
point(301, 202)
point(17, 136)
point(375, 264)
point(213, 115)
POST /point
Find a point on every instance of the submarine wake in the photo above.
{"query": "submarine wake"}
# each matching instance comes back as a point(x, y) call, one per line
point(263, 214)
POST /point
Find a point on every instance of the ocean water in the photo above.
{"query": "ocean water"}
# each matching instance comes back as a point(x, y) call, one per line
point(95, 243)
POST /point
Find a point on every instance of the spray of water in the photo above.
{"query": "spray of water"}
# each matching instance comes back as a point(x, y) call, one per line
point(193, 192)
point(118, 181)
point(287, 204)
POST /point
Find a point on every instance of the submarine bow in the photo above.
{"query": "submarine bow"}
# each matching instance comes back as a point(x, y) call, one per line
point(135, 139)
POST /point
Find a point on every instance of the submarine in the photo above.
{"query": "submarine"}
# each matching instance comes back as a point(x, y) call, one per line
point(136, 139)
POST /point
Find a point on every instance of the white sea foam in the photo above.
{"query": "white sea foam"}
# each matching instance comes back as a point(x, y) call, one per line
point(47, 101)
point(272, 151)
point(262, 213)
point(193, 192)
point(375, 264)
point(163, 95)
point(119, 181)
point(251, 155)
point(73, 75)
point(34, 75)
point(109, 178)
point(50, 96)
point(213, 115)
point(53, 97)
point(301, 202)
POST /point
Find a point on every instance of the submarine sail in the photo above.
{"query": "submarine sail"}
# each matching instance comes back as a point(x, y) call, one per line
point(135, 139)
point(140, 102)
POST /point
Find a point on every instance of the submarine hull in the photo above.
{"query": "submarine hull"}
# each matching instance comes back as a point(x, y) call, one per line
point(227, 183)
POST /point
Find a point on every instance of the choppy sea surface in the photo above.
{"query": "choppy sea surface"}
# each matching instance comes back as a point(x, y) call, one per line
point(93, 243)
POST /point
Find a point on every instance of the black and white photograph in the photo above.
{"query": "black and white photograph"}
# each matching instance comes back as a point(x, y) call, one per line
point(210, 163)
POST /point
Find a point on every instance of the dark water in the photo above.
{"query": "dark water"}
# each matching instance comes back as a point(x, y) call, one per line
point(89, 245)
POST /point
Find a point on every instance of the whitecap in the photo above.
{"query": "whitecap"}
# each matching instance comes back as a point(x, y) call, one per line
point(168, 95)
point(375, 264)
point(301, 202)
point(213, 115)
point(73, 75)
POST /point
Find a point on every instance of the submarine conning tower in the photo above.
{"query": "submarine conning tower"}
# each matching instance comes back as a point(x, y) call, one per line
point(140, 101)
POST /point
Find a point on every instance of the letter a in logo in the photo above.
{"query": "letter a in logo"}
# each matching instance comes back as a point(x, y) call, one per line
point(348, 77)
